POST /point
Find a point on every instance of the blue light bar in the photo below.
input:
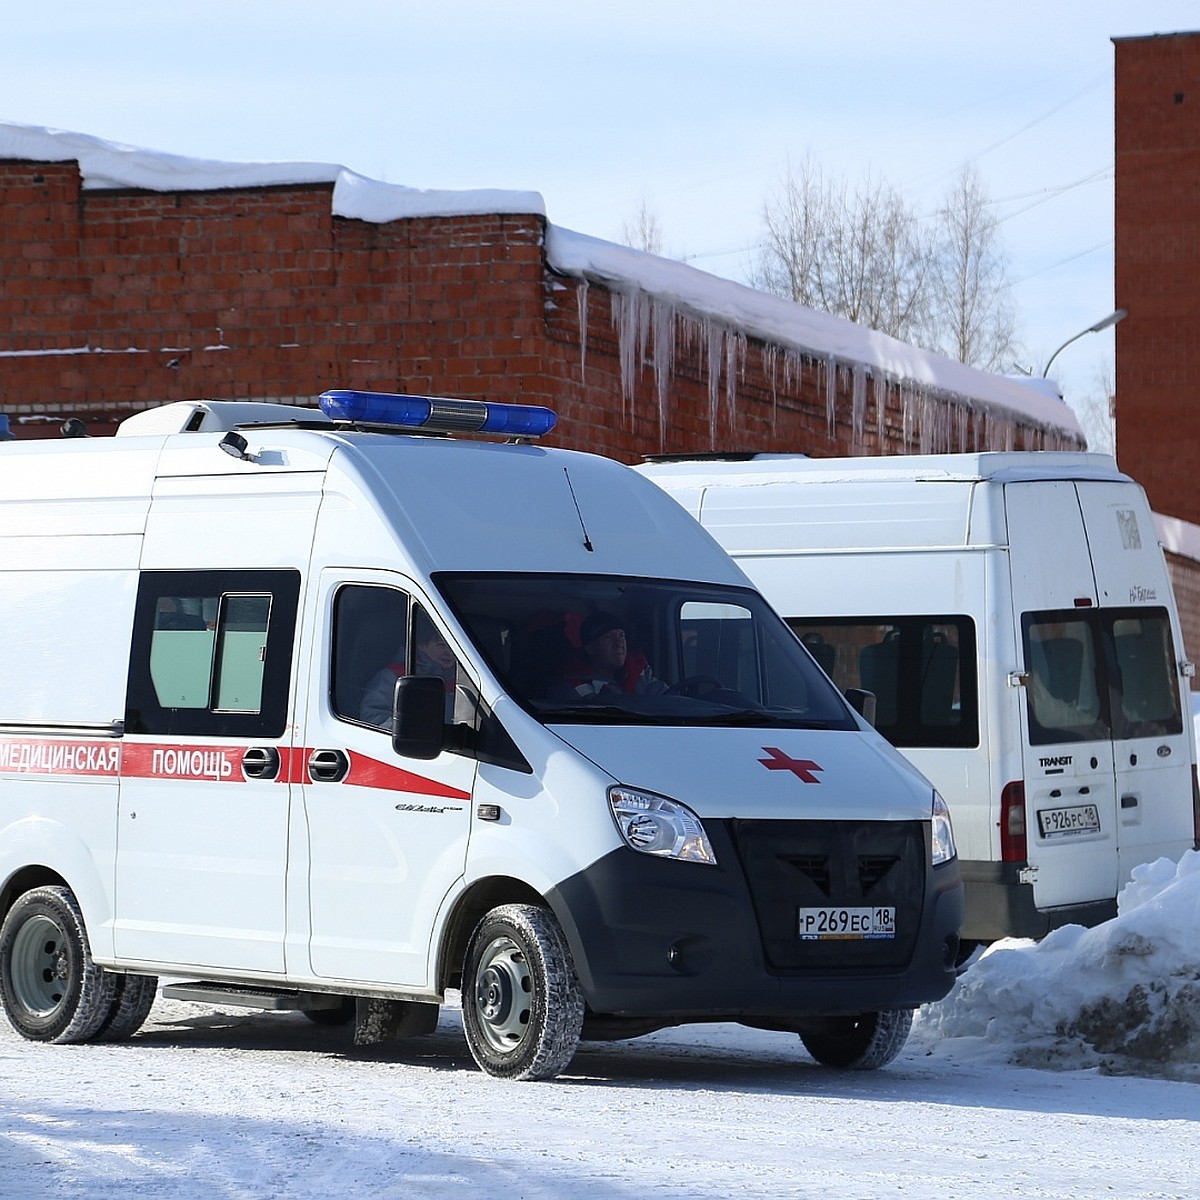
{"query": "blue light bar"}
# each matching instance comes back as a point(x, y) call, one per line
point(434, 414)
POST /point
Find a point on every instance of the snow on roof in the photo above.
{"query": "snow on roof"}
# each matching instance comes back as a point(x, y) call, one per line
point(107, 165)
point(775, 319)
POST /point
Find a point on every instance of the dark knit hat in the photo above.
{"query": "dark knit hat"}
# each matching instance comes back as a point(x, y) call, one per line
point(595, 624)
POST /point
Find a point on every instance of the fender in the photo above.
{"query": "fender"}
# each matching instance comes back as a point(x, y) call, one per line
point(55, 847)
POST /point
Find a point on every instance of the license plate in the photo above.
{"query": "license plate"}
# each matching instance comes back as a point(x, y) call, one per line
point(1063, 822)
point(844, 924)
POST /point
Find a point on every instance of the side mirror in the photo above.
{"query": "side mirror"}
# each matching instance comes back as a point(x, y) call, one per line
point(863, 703)
point(419, 716)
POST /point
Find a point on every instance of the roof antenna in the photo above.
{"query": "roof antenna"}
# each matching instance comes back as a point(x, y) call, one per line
point(587, 541)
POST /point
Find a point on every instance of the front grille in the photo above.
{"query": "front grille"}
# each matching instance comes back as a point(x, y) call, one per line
point(791, 865)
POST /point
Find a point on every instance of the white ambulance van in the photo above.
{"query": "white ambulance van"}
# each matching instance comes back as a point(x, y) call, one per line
point(310, 711)
point(1012, 614)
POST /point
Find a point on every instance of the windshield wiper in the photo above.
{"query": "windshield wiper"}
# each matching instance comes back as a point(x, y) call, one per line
point(588, 712)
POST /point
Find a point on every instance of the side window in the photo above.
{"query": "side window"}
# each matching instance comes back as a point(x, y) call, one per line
point(921, 669)
point(718, 643)
point(369, 653)
point(212, 653)
point(379, 634)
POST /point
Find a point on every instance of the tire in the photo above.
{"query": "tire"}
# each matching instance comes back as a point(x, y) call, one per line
point(863, 1043)
point(522, 1006)
point(131, 1006)
point(51, 989)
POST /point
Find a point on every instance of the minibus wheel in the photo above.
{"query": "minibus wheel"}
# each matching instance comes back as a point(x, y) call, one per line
point(51, 989)
point(862, 1043)
point(522, 1007)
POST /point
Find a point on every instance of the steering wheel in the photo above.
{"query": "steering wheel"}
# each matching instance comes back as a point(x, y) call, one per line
point(695, 686)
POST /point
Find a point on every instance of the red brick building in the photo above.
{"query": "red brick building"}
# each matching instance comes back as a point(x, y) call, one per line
point(128, 280)
point(1157, 272)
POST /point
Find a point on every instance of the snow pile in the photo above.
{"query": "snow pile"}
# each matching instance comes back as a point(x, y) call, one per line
point(1124, 996)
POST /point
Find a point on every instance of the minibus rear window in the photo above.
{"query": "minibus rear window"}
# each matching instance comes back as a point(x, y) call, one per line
point(1100, 673)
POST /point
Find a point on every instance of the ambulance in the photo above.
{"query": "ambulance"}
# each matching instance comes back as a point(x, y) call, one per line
point(324, 711)
point(1012, 615)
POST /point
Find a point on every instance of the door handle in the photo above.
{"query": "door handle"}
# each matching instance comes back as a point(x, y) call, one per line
point(328, 766)
point(260, 762)
point(1129, 802)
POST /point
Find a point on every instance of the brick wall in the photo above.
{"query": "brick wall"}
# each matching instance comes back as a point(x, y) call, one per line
point(1157, 263)
point(113, 301)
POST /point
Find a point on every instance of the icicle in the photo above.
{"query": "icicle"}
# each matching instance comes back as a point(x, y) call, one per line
point(831, 386)
point(770, 368)
point(581, 299)
point(858, 408)
point(881, 390)
point(735, 355)
point(627, 310)
point(664, 322)
point(716, 342)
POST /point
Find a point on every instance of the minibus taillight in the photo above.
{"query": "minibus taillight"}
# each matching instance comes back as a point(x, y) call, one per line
point(1013, 846)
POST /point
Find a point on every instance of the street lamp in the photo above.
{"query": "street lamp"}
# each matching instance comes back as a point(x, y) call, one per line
point(1111, 319)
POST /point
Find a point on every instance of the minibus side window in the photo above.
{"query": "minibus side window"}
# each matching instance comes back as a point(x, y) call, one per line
point(212, 652)
point(921, 670)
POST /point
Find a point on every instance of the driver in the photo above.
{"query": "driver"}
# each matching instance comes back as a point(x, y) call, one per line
point(609, 665)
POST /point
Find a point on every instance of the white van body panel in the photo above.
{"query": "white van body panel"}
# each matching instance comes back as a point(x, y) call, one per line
point(991, 536)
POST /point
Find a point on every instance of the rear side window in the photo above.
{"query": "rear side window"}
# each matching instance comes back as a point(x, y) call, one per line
point(921, 670)
point(212, 653)
point(1100, 673)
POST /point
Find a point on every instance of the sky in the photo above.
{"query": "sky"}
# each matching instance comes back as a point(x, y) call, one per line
point(682, 106)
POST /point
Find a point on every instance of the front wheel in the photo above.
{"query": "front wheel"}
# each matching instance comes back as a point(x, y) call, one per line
point(522, 1007)
point(51, 989)
point(863, 1043)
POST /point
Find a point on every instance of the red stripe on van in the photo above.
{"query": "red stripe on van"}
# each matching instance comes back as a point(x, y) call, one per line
point(369, 772)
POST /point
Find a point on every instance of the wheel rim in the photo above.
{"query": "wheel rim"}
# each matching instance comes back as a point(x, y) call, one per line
point(503, 994)
point(41, 966)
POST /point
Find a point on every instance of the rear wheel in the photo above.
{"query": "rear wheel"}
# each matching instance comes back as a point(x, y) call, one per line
point(51, 989)
point(131, 1006)
point(863, 1043)
point(522, 1007)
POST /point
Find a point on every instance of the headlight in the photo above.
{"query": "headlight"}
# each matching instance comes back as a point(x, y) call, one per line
point(943, 832)
point(655, 825)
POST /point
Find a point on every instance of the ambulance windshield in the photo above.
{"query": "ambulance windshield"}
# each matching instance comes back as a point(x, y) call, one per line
point(604, 649)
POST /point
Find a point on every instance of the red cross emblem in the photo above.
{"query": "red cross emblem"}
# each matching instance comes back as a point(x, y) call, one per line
point(802, 768)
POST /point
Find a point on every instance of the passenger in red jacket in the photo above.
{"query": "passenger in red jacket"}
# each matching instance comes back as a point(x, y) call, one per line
point(434, 657)
point(608, 664)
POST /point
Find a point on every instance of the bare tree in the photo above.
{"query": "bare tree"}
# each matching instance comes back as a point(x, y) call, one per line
point(861, 255)
point(974, 317)
point(797, 220)
point(866, 255)
point(642, 231)
point(1097, 412)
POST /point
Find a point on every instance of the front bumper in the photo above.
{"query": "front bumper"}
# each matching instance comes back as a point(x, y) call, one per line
point(684, 941)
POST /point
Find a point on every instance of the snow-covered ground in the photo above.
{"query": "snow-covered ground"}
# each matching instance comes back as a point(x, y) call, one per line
point(224, 1102)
